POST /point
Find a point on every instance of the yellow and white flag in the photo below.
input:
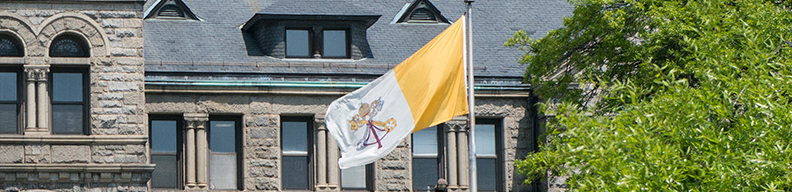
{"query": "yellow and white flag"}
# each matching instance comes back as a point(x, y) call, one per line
point(426, 89)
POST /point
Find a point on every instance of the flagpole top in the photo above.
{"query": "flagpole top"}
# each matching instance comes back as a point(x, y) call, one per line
point(469, 1)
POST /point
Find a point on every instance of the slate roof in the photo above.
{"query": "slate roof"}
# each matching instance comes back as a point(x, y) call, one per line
point(176, 46)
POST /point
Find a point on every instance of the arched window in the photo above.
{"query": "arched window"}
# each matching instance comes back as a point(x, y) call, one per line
point(10, 46)
point(67, 45)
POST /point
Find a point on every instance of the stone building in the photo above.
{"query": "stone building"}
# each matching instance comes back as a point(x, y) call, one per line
point(172, 95)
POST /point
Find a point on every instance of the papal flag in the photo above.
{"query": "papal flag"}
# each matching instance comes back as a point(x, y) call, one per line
point(426, 89)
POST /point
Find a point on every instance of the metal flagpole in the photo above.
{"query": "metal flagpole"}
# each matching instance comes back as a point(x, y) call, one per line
point(471, 99)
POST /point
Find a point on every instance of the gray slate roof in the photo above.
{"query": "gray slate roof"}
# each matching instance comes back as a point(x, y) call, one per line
point(176, 46)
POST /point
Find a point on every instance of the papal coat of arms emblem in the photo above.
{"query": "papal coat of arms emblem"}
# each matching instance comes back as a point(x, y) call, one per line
point(375, 130)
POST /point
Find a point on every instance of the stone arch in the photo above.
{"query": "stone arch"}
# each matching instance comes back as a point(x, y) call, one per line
point(19, 27)
point(78, 24)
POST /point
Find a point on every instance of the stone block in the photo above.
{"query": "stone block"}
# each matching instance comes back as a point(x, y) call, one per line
point(11, 154)
point(112, 23)
point(123, 86)
point(133, 23)
point(121, 52)
point(261, 133)
point(70, 154)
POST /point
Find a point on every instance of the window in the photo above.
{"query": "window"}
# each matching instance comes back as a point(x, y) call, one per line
point(488, 155)
point(225, 157)
point(9, 101)
point(358, 178)
point(10, 46)
point(68, 45)
point(166, 148)
point(426, 158)
point(422, 14)
point(170, 10)
point(301, 43)
point(296, 143)
point(69, 95)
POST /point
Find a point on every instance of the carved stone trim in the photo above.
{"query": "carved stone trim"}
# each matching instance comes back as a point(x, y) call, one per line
point(64, 173)
point(36, 72)
point(196, 120)
point(319, 123)
point(74, 139)
point(457, 124)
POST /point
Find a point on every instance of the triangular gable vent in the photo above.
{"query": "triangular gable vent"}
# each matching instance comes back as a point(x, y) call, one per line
point(170, 9)
point(421, 11)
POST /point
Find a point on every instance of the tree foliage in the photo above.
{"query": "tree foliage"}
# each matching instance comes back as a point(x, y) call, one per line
point(673, 95)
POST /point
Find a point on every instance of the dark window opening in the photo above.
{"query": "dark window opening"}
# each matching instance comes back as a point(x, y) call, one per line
point(170, 10)
point(10, 46)
point(165, 136)
point(225, 153)
point(68, 46)
point(69, 93)
point(360, 178)
point(296, 144)
point(9, 101)
point(422, 14)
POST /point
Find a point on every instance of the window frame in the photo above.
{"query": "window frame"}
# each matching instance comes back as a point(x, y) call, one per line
point(86, 90)
point(180, 161)
point(19, 98)
point(311, 139)
point(369, 170)
point(347, 45)
point(238, 148)
point(316, 41)
point(499, 151)
point(440, 157)
point(311, 42)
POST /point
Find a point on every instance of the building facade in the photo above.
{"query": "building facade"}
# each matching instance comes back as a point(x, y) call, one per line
point(175, 95)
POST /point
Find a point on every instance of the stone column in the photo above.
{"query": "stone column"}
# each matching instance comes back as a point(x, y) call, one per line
point(199, 120)
point(462, 158)
point(189, 137)
point(452, 127)
point(321, 153)
point(37, 104)
point(334, 173)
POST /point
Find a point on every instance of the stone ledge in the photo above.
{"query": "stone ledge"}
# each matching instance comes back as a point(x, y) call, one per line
point(94, 173)
point(12, 60)
point(73, 139)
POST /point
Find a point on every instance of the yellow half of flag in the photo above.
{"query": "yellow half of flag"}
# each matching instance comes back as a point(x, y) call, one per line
point(433, 79)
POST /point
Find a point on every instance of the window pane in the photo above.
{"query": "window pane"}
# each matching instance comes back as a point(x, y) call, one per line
point(485, 139)
point(295, 136)
point(354, 177)
point(222, 136)
point(424, 173)
point(297, 43)
point(67, 119)
point(8, 118)
point(487, 177)
point(295, 172)
point(8, 86)
point(163, 136)
point(7, 47)
point(425, 141)
point(165, 174)
point(335, 43)
point(222, 171)
point(67, 87)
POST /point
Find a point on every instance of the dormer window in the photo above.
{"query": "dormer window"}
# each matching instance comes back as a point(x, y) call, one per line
point(304, 43)
point(420, 11)
point(10, 46)
point(171, 10)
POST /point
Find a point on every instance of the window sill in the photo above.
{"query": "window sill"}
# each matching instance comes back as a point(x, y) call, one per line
point(73, 139)
point(12, 60)
point(322, 60)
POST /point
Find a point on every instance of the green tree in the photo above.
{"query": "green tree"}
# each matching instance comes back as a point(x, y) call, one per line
point(673, 95)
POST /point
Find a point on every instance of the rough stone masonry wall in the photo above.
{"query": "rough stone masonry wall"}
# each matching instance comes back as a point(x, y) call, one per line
point(261, 117)
point(115, 36)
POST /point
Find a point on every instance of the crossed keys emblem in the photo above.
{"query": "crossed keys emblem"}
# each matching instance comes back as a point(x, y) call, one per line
point(365, 119)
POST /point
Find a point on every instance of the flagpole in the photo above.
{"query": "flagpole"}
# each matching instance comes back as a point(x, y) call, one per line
point(471, 100)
